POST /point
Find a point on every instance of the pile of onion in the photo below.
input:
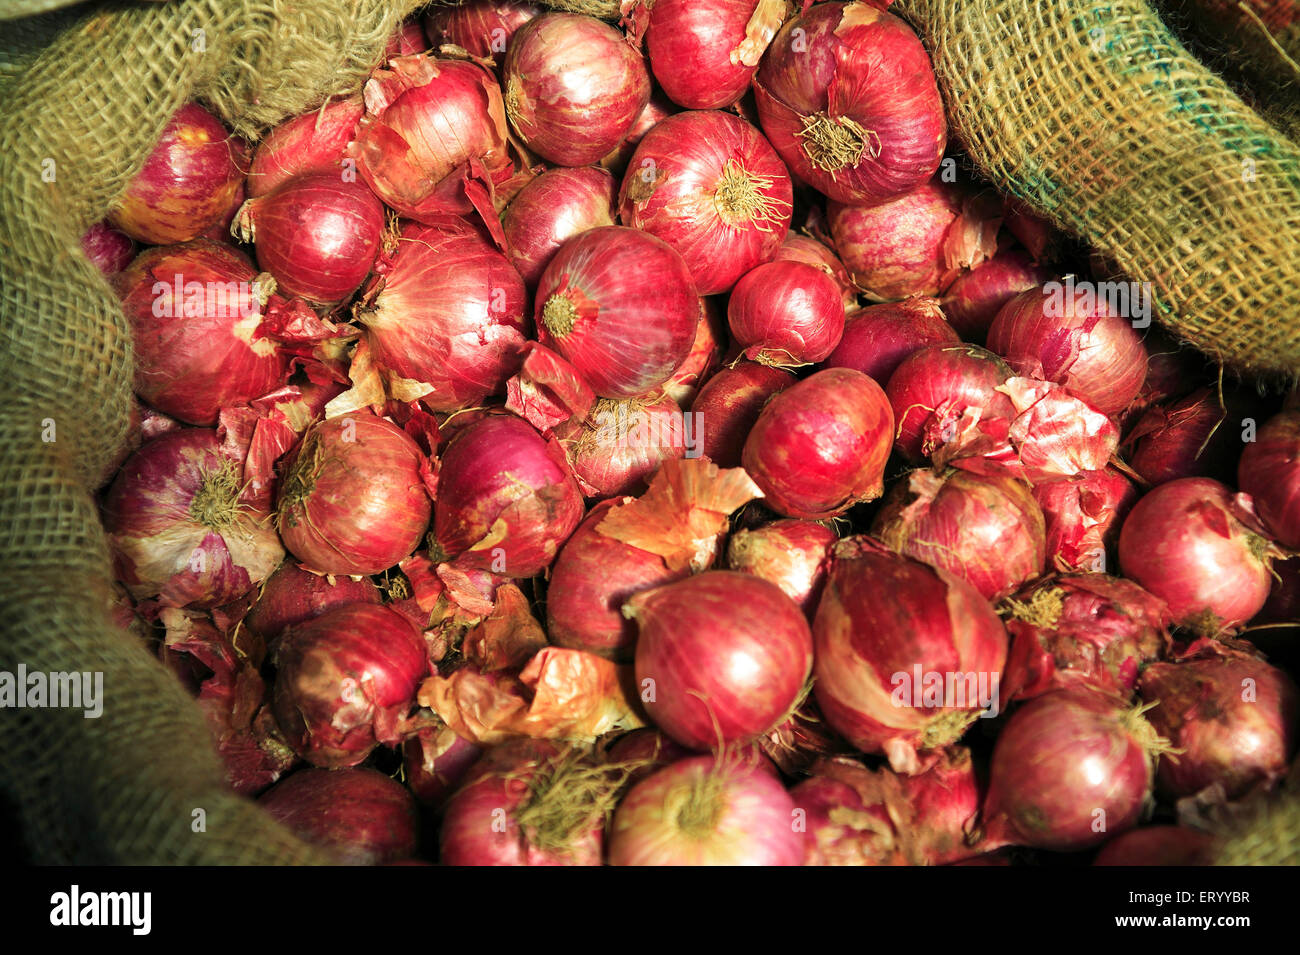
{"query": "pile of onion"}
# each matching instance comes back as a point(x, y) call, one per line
point(729, 404)
point(877, 338)
point(558, 204)
point(1270, 472)
point(359, 814)
point(786, 314)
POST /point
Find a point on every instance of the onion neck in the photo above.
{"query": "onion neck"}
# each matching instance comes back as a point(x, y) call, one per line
point(301, 479)
point(559, 315)
point(566, 799)
point(1043, 609)
point(833, 143)
point(216, 503)
point(698, 810)
point(742, 197)
point(948, 727)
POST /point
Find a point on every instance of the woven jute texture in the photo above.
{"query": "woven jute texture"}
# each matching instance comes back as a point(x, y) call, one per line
point(1095, 114)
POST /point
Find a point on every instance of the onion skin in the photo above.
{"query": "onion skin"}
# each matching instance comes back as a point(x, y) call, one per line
point(986, 529)
point(345, 681)
point(317, 235)
point(741, 815)
point(791, 554)
point(726, 656)
point(1269, 471)
point(934, 388)
point(1084, 517)
point(1061, 758)
point(621, 306)
point(108, 249)
point(557, 205)
point(177, 529)
point(311, 143)
point(483, 27)
point(499, 469)
point(881, 617)
point(974, 298)
point(1233, 716)
point(203, 350)
point(877, 338)
point(711, 186)
point(852, 61)
point(802, 248)
point(354, 498)
point(435, 763)
point(574, 87)
point(1094, 354)
point(291, 596)
point(409, 38)
point(625, 445)
point(360, 814)
point(841, 826)
point(1183, 543)
point(786, 313)
point(691, 45)
point(820, 446)
point(188, 182)
point(1158, 845)
point(729, 404)
point(1196, 436)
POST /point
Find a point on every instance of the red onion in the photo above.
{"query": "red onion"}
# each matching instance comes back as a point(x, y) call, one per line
point(621, 306)
point(709, 185)
point(506, 498)
point(573, 87)
point(188, 182)
point(1197, 436)
point(1084, 516)
point(986, 529)
point(529, 802)
point(1270, 472)
point(848, 97)
point(729, 404)
point(943, 803)
point(435, 762)
point(844, 817)
point(481, 27)
point(938, 392)
point(820, 446)
point(786, 313)
point(720, 657)
point(706, 350)
point(707, 810)
point(907, 655)
point(178, 527)
point(658, 109)
point(1158, 845)
point(433, 140)
point(1071, 335)
point(1232, 716)
point(974, 299)
point(360, 814)
point(593, 577)
point(1070, 769)
point(704, 54)
point(802, 248)
point(877, 338)
point(446, 323)
point(649, 750)
point(346, 681)
point(316, 234)
point(196, 314)
point(355, 496)
point(312, 142)
point(1054, 436)
point(547, 391)
point(625, 444)
point(409, 38)
point(791, 554)
point(108, 249)
point(291, 596)
point(1183, 542)
point(558, 204)
point(1033, 231)
point(1082, 630)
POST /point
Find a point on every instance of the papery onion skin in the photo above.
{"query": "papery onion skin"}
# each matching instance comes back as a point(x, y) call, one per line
point(699, 811)
point(188, 182)
point(820, 446)
point(317, 235)
point(974, 298)
point(933, 388)
point(841, 827)
point(802, 248)
point(482, 27)
point(447, 322)
point(1196, 436)
point(345, 681)
point(177, 529)
point(726, 655)
point(1182, 542)
point(1093, 352)
point(196, 329)
point(354, 499)
point(1084, 517)
point(1269, 471)
point(409, 38)
point(1062, 758)
point(625, 444)
point(507, 499)
point(435, 763)
point(711, 186)
point(791, 554)
point(690, 46)
point(729, 404)
point(557, 205)
point(786, 313)
point(1158, 845)
point(573, 87)
point(986, 529)
point(1233, 716)
point(107, 248)
point(883, 617)
point(291, 596)
point(877, 338)
point(944, 802)
point(852, 61)
point(621, 306)
point(312, 142)
point(360, 814)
